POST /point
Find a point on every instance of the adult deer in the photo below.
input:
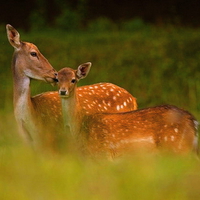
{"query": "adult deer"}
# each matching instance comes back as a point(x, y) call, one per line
point(155, 128)
point(28, 63)
point(40, 118)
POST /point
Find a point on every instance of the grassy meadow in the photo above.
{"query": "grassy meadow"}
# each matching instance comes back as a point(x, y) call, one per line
point(156, 65)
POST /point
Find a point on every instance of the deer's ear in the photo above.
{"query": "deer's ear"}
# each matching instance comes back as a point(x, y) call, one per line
point(13, 36)
point(83, 70)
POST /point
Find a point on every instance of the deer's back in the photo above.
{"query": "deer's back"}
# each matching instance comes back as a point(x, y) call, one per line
point(166, 127)
point(93, 99)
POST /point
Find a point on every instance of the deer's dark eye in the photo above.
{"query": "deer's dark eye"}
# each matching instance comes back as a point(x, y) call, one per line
point(34, 54)
point(73, 80)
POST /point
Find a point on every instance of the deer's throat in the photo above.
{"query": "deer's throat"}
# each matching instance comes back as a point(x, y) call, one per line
point(71, 113)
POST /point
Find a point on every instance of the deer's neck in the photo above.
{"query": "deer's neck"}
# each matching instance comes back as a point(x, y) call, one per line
point(71, 114)
point(22, 97)
point(23, 107)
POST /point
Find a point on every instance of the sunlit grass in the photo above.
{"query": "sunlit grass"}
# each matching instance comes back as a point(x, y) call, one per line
point(29, 175)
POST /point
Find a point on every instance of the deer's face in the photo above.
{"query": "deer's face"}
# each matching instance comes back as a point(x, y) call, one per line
point(33, 64)
point(67, 81)
point(27, 59)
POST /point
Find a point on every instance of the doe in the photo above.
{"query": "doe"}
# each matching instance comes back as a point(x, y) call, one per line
point(27, 64)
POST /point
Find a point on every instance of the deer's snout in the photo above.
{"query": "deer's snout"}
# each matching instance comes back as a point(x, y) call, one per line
point(51, 77)
point(63, 92)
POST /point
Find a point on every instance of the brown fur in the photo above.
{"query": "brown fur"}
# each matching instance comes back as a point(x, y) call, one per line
point(161, 128)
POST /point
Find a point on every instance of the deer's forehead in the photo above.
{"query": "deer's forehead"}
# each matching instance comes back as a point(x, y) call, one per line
point(66, 73)
point(29, 46)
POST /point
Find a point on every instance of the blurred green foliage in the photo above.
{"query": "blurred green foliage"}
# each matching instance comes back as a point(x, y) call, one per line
point(157, 65)
point(101, 24)
point(134, 25)
point(68, 20)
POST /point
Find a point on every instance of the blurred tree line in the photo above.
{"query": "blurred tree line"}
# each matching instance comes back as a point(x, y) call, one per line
point(72, 13)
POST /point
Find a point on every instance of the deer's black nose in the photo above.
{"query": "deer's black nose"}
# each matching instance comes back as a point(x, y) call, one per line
point(62, 92)
point(55, 80)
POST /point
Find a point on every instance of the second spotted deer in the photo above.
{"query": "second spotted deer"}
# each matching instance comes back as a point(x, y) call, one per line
point(156, 128)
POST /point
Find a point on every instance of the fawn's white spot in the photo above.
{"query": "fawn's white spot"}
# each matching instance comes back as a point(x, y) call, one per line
point(176, 130)
point(105, 108)
point(104, 102)
point(118, 107)
point(172, 138)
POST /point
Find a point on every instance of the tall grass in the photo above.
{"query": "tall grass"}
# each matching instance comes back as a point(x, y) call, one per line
point(156, 65)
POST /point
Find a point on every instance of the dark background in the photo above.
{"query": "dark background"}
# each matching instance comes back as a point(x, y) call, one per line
point(159, 12)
